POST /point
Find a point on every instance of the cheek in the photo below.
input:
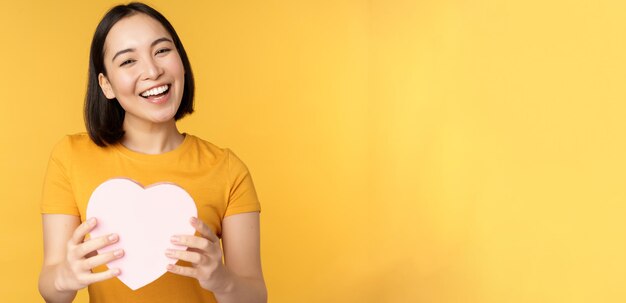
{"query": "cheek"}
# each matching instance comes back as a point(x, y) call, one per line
point(175, 66)
point(124, 84)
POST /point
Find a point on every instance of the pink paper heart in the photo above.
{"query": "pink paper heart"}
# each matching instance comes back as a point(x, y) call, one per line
point(144, 219)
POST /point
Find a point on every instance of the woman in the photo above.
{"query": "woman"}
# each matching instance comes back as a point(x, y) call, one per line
point(140, 84)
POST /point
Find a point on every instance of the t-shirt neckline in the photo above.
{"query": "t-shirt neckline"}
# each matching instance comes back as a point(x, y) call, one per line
point(172, 154)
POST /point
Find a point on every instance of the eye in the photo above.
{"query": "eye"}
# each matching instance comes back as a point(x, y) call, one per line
point(163, 50)
point(129, 61)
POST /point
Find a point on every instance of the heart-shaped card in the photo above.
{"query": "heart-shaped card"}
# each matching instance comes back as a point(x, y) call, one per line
point(144, 219)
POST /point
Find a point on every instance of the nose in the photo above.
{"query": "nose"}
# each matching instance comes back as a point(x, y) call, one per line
point(152, 70)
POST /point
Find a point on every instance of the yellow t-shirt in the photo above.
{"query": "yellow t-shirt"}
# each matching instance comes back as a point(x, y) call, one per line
point(217, 180)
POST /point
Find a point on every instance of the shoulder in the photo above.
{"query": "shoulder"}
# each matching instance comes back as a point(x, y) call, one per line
point(204, 145)
point(71, 143)
point(65, 149)
point(74, 141)
point(208, 148)
point(217, 152)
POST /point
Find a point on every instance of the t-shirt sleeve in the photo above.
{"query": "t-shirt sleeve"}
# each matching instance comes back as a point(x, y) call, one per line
point(242, 197)
point(57, 195)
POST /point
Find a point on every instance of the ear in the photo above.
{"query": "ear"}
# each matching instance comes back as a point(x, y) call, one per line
point(105, 86)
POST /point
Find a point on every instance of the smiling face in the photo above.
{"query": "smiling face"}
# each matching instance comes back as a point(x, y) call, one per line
point(144, 70)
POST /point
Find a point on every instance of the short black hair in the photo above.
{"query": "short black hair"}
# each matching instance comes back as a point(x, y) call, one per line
point(103, 117)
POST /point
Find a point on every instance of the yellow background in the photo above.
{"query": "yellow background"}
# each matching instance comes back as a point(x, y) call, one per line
point(403, 151)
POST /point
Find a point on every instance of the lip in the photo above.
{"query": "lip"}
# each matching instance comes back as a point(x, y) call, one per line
point(155, 86)
point(161, 99)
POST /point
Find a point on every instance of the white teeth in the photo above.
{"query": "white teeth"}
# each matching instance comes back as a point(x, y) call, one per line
point(154, 91)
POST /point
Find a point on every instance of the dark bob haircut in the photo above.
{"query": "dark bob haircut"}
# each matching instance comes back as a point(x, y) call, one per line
point(103, 117)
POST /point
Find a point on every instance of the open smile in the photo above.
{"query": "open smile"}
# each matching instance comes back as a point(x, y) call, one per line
point(156, 91)
point(157, 95)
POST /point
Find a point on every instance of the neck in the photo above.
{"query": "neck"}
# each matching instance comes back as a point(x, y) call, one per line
point(151, 138)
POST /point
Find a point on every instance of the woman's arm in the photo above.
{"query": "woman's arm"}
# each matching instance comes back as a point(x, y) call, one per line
point(242, 257)
point(240, 278)
point(57, 230)
point(68, 260)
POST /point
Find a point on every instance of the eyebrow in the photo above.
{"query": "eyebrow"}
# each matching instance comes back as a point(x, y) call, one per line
point(155, 42)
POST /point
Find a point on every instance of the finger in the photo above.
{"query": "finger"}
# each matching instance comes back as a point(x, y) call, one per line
point(192, 241)
point(189, 256)
point(101, 276)
point(102, 259)
point(81, 231)
point(182, 270)
point(204, 229)
point(91, 254)
point(94, 244)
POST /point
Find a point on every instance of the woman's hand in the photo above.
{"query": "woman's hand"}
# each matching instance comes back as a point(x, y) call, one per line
point(205, 255)
point(75, 272)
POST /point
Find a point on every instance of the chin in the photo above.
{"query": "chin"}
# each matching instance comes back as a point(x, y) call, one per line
point(163, 119)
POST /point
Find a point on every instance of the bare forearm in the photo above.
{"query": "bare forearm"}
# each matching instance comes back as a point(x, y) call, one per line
point(240, 289)
point(48, 289)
